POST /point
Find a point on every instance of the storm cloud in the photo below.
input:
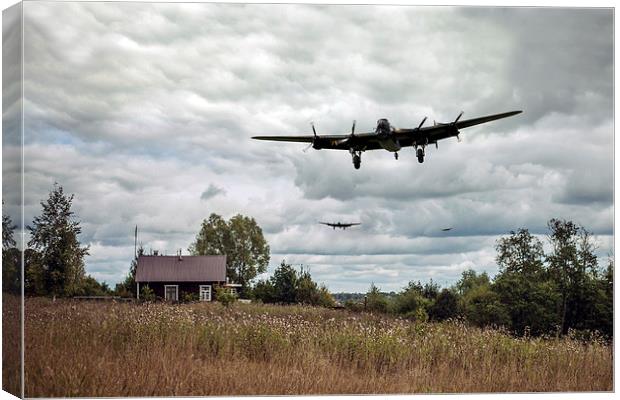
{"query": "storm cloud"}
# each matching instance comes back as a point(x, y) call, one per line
point(145, 112)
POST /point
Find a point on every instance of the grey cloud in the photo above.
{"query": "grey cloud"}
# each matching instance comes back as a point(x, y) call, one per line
point(137, 108)
point(211, 191)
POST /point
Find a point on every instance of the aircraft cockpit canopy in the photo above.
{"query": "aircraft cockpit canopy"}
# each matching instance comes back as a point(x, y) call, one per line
point(383, 125)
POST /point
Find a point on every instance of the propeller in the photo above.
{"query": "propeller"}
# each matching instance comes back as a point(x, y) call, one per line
point(422, 123)
point(458, 138)
point(457, 118)
point(315, 137)
point(346, 140)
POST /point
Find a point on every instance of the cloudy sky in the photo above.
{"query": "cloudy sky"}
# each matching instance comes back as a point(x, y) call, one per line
point(145, 113)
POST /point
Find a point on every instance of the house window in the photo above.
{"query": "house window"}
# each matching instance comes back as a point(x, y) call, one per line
point(171, 292)
point(205, 292)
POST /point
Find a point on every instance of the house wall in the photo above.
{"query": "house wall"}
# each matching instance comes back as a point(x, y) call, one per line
point(184, 287)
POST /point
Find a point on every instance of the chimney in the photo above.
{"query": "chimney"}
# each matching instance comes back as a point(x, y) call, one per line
point(180, 256)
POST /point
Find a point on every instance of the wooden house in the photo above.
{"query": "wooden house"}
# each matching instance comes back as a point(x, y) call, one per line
point(171, 276)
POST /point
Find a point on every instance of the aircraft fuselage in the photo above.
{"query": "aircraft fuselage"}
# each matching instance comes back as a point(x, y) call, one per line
point(385, 135)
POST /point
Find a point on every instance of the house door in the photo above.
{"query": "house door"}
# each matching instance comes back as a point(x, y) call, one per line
point(205, 292)
point(172, 292)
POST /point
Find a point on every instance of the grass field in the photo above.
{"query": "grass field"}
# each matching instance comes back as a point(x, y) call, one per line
point(108, 349)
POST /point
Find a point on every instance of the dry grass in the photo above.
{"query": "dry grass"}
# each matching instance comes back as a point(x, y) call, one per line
point(11, 344)
point(96, 349)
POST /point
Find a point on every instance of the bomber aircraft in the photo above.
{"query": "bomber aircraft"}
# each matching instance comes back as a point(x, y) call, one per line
point(340, 225)
point(388, 137)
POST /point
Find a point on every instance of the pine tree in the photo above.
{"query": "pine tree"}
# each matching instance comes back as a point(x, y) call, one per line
point(54, 234)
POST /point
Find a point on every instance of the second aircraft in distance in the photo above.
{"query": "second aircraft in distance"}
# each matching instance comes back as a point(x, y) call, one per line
point(388, 137)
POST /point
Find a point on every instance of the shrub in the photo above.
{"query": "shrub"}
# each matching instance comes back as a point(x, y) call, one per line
point(445, 306)
point(264, 291)
point(409, 302)
point(224, 296)
point(375, 300)
point(146, 293)
point(189, 297)
point(325, 299)
point(418, 315)
point(484, 308)
point(353, 306)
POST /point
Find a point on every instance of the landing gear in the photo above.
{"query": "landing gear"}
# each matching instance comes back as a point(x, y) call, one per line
point(357, 158)
point(396, 156)
point(420, 154)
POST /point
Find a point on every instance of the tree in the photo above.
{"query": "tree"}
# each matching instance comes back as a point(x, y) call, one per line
point(605, 306)
point(531, 303)
point(34, 274)
point(8, 232)
point(520, 253)
point(91, 287)
point(11, 257)
point(325, 298)
point(54, 234)
point(522, 284)
point(284, 281)
point(445, 306)
point(375, 300)
point(573, 266)
point(128, 286)
point(480, 304)
point(307, 290)
point(264, 291)
point(430, 290)
point(470, 280)
point(288, 286)
point(411, 301)
point(483, 307)
point(240, 239)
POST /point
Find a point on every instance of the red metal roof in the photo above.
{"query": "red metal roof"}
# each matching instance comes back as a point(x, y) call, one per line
point(186, 269)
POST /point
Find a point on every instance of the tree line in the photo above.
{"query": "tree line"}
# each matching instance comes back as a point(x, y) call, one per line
point(288, 286)
point(533, 293)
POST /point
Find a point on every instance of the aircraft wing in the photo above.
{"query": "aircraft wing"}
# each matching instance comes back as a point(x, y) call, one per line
point(326, 223)
point(481, 120)
point(431, 134)
point(406, 137)
point(334, 142)
point(300, 139)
